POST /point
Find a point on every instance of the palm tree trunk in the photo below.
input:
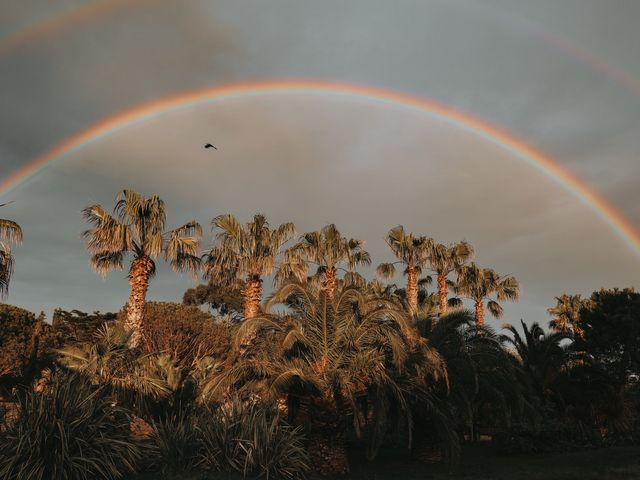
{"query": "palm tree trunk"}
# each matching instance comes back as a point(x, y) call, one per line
point(479, 314)
point(139, 280)
point(252, 296)
point(329, 284)
point(412, 288)
point(442, 293)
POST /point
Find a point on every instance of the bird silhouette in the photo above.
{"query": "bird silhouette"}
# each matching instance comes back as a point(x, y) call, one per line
point(208, 145)
point(5, 204)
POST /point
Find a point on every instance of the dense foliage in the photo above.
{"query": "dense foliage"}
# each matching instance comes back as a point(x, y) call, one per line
point(328, 363)
point(184, 333)
point(16, 338)
point(69, 431)
point(247, 438)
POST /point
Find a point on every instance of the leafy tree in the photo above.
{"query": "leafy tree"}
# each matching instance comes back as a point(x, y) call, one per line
point(412, 252)
point(137, 226)
point(566, 314)
point(444, 260)
point(184, 333)
point(10, 233)
point(327, 249)
point(79, 327)
point(611, 325)
point(225, 299)
point(479, 284)
point(247, 253)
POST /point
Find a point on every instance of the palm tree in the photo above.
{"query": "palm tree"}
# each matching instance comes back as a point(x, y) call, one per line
point(108, 361)
point(480, 370)
point(137, 226)
point(246, 252)
point(327, 249)
point(478, 284)
point(329, 355)
point(412, 252)
point(540, 353)
point(444, 260)
point(10, 232)
point(566, 314)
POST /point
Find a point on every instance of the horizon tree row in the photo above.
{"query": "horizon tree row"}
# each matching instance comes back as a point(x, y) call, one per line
point(253, 251)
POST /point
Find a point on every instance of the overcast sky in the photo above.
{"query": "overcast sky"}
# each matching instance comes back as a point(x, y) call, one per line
point(562, 75)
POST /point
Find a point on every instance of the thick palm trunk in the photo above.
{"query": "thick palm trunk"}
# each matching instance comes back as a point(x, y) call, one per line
point(443, 293)
point(329, 284)
point(139, 280)
point(479, 314)
point(252, 296)
point(412, 288)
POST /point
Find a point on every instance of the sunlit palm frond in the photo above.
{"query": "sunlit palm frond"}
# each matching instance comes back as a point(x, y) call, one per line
point(386, 270)
point(10, 231)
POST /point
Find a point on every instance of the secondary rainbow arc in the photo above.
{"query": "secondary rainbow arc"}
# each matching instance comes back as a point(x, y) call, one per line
point(615, 220)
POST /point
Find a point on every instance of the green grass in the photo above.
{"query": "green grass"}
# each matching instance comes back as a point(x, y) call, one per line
point(480, 463)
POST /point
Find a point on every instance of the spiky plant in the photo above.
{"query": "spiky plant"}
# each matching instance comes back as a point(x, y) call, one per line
point(479, 284)
point(72, 431)
point(444, 260)
point(249, 252)
point(10, 233)
point(412, 252)
point(250, 438)
point(328, 250)
point(176, 441)
point(137, 226)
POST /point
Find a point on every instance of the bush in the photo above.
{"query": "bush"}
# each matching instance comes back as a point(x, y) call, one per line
point(71, 431)
point(184, 333)
point(16, 337)
point(77, 327)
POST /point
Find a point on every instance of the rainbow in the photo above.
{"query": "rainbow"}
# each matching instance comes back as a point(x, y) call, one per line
point(443, 113)
point(59, 20)
point(96, 9)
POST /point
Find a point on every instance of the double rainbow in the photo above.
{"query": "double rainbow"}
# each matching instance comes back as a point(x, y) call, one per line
point(443, 113)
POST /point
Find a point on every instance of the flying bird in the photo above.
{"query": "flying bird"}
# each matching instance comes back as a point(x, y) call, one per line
point(208, 145)
point(7, 203)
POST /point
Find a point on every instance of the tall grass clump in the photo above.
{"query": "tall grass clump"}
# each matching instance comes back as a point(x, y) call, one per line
point(251, 439)
point(176, 442)
point(238, 437)
point(70, 431)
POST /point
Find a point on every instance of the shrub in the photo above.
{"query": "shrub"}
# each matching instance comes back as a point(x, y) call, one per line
point(184, 333)
point(16, 337)
point(78, 327)
point(71, 431)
